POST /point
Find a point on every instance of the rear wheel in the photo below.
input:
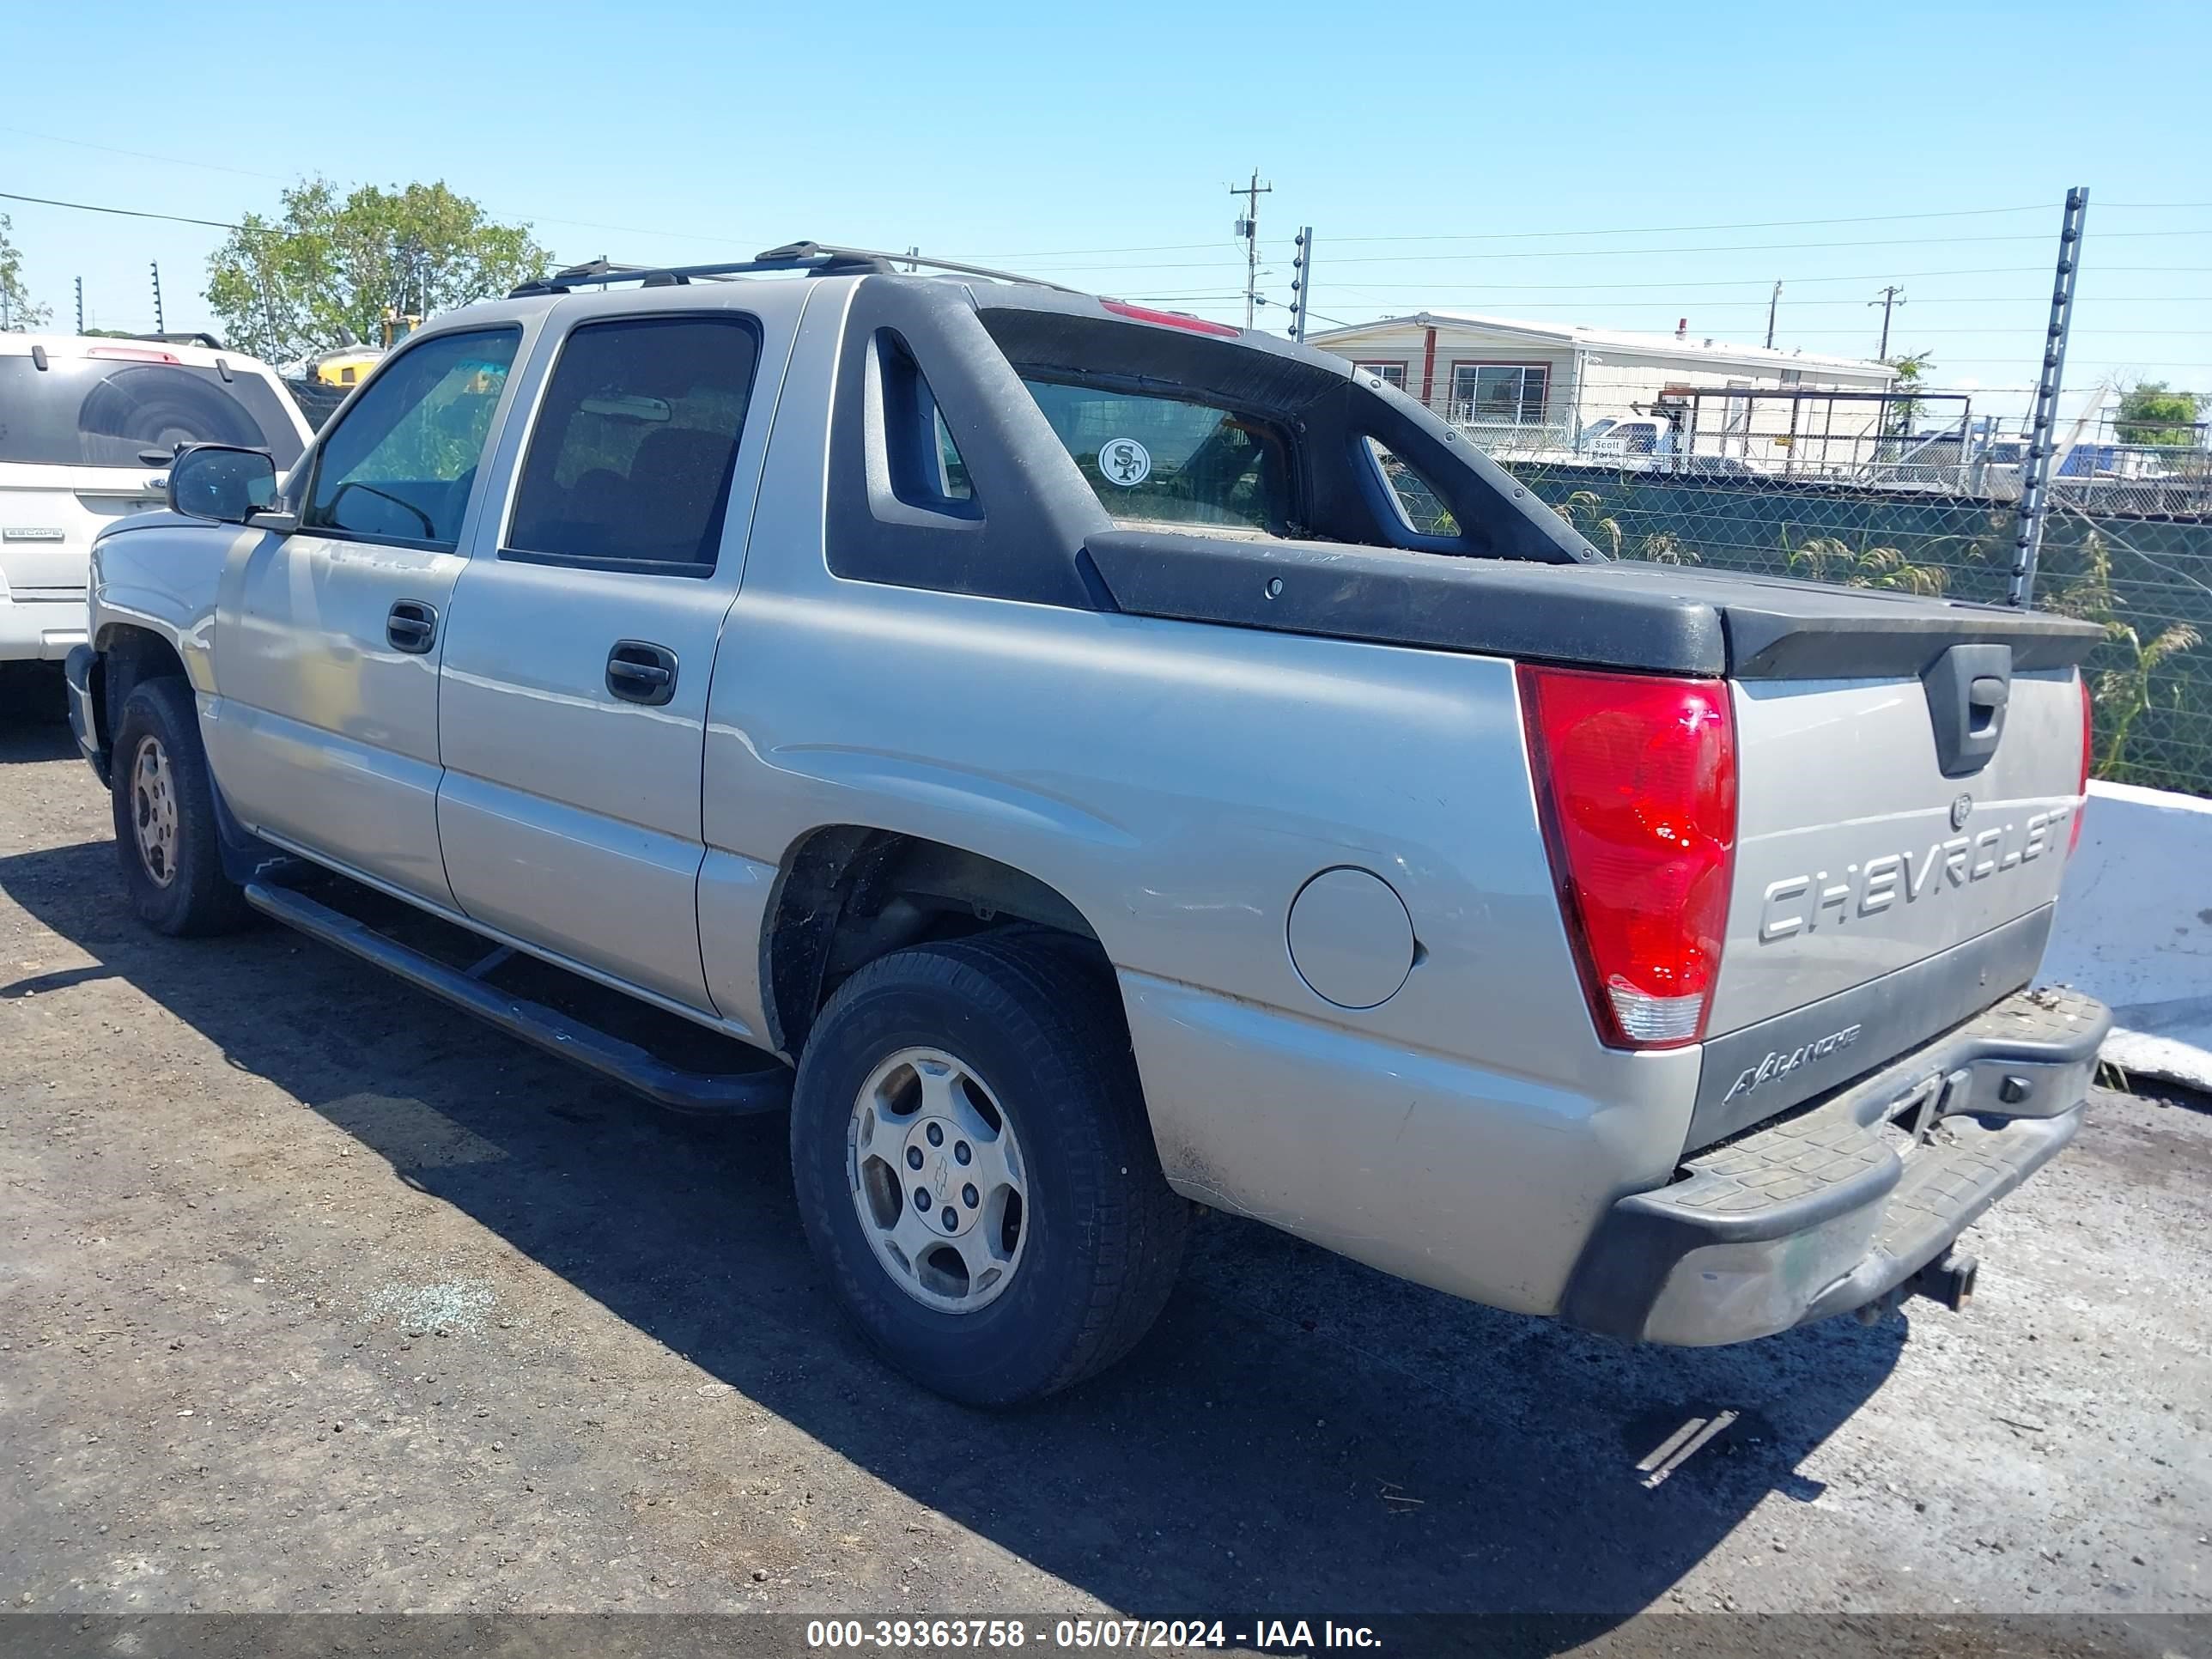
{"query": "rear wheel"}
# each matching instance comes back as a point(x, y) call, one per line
point(166, 834)
point(976, 1169)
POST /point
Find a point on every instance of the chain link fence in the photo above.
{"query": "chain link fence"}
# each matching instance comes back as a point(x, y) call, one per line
point(1906, 487)
point(2145, 577)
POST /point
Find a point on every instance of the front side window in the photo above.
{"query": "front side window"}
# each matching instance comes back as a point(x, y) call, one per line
point(399, 466)
point(1499, 394)
point(630, 460)
point(1161, 460)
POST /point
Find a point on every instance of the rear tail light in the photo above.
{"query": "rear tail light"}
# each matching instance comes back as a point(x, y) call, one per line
point(2088, 748)
point(1636, 783)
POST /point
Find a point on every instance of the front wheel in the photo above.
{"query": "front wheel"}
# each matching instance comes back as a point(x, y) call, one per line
point(976, 1169)
point(166, 834)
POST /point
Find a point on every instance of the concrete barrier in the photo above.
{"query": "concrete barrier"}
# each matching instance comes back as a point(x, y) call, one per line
point(2134, 928)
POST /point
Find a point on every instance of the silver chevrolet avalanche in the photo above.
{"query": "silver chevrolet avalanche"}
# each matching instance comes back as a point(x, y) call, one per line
point(1086, 762)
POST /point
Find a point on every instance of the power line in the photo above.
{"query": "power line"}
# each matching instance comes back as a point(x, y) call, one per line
point(1794, 304)
point(139, 154)
point(127, 213)
point(1614, 230)
point(1760, 281)
point(1645, 252)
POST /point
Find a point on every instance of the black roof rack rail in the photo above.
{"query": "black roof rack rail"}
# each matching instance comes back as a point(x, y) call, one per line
point(815, 259)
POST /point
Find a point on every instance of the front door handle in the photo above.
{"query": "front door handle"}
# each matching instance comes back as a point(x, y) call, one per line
point(412, 627)
point(641, 671)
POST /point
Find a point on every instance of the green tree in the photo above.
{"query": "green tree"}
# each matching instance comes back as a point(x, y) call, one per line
point(2152, 414)
point(328, 269)
point(17, 311)
point(1911, 375)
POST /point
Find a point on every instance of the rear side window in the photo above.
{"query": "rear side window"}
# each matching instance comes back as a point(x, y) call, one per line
point(131, 409)
point(1162, 460)
point(399, 465)
point(630, 462)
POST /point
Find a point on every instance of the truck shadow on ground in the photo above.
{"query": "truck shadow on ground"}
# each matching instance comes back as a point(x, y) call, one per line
point(34, 714)
point(1299, 1434)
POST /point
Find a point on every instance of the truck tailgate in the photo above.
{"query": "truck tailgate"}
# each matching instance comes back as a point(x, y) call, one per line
point(1856, 855)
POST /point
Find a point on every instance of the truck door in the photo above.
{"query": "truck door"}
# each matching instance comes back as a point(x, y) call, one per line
point(327, 640)
point(573, 719)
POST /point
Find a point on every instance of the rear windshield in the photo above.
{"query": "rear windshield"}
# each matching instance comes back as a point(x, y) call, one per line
point(1155, 460)
point(80, 411)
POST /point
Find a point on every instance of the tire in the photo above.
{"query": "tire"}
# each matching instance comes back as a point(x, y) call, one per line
point(1100, 1234)
point(175, 872)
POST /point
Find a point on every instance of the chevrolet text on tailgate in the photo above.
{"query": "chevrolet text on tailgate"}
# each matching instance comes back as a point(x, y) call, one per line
point(1087, 762)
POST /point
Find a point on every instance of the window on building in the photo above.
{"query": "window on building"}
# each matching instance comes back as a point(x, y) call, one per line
point(1499, 394)
point(629, 461)
point(1738, 421)
point(1388, 374)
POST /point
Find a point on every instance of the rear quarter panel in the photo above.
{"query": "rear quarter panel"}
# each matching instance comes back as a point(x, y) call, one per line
point(1179, 783)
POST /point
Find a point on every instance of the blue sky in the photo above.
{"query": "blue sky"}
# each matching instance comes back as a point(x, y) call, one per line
point(1440, 151)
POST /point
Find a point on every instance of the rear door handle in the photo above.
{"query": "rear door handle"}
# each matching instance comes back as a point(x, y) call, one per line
point(412, 627)
point(639, 672)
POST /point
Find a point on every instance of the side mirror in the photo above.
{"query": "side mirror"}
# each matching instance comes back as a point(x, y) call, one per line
point(219, 482)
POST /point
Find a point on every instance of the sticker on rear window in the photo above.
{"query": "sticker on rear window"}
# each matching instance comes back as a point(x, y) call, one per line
point(1124, 461)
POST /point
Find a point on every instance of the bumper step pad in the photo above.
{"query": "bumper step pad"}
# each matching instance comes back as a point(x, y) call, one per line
point(1840, 1203)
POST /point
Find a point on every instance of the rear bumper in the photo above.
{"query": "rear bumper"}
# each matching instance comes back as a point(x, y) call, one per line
point(76, 670)
point(40, 630)
point(1841, 1203)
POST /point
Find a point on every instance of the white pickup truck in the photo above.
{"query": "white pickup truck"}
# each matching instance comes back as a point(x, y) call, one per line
point(1031, 734)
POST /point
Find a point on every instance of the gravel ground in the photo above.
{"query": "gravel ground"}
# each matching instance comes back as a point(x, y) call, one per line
point(317, 1296)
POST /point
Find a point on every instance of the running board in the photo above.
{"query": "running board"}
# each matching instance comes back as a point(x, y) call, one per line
point(720, 1095)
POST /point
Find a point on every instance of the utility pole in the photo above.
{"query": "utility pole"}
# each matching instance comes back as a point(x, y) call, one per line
point(2035, 477)
point(1301, 282)
point(80, 305)
point(1248, 228)
point(159, 326)
point(1772, 305)
point(1891, 296)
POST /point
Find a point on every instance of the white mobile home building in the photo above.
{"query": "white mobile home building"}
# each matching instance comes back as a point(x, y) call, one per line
point(1527, 387)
